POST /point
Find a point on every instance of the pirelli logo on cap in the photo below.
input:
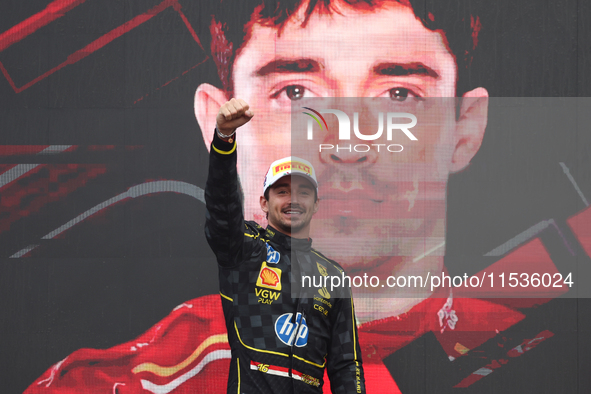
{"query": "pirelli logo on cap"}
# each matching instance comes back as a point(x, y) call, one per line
point(269, 277)
point(295, 165)
point(289, 166)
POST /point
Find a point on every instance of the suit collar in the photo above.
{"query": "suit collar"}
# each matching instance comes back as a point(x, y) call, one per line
point(286, 241)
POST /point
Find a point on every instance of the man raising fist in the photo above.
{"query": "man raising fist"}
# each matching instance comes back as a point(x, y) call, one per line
point(232, 115)
point(282, 336)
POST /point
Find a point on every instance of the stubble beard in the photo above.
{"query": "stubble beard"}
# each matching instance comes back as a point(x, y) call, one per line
point(290, 228)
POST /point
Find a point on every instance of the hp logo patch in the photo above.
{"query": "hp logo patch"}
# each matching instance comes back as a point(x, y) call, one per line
point(288, 330)
point(272, 255)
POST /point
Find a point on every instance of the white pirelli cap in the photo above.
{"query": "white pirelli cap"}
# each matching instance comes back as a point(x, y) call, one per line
point(290, 166)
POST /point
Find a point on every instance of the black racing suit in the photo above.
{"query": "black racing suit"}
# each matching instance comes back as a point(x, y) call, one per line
point(281, 342)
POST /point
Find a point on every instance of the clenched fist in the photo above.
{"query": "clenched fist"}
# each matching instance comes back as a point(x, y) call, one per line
point(232, 115)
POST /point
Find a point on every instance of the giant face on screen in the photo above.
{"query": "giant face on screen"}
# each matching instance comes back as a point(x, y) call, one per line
point(365, 49)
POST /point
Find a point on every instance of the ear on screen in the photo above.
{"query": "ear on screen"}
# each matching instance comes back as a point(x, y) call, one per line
point(208, 100)
point(470, 128)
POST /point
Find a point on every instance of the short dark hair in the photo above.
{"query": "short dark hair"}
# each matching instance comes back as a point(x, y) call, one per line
point(456, 19)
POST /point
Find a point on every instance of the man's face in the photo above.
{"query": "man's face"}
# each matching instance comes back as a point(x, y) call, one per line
point(290, 206)
point(385, 53)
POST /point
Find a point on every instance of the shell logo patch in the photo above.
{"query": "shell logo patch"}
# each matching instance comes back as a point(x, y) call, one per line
point(269, 277)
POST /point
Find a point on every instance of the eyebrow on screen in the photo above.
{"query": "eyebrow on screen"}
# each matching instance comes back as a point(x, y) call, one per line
point(405, 69)
point(302, 65)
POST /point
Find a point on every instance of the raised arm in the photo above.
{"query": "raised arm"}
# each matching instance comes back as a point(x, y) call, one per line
point(224, 220)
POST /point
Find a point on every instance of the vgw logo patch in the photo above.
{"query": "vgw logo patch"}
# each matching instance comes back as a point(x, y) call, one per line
point(289, 331)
